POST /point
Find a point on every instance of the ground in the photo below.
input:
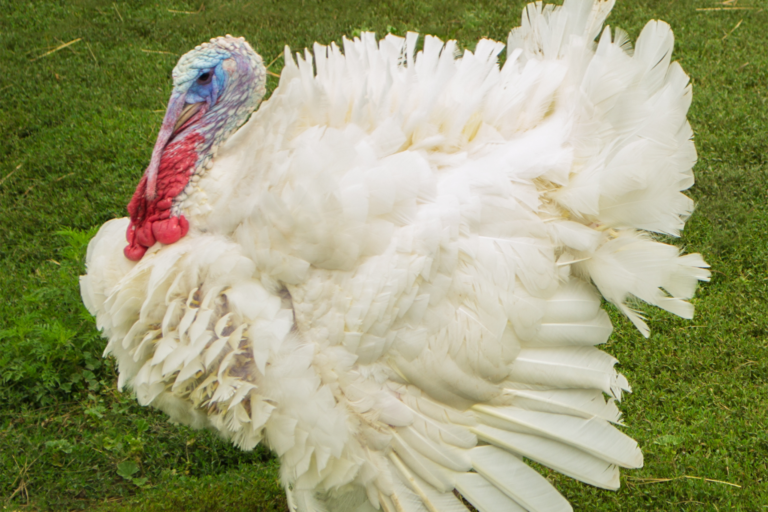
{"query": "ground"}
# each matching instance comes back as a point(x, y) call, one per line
point(82, 95)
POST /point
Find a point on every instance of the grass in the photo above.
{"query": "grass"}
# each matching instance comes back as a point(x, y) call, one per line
point(77, 126)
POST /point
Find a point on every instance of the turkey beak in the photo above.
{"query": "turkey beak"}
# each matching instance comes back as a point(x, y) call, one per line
point(190, 109)
point(176, 109)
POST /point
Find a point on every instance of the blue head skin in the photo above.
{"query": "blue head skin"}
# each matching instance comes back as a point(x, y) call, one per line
point(216, 86)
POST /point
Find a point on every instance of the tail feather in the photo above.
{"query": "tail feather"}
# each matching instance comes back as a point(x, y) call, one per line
point(594, 436)
point(653, 51)
point(438, 452)
point(590, 332)
point(405, 496)
point(582, 403)
point(573, 301)
point(545, 29)
point(558, 456)
point(567, 368)
point(438, 501)
point(433, 473)
point(483, 495)
point(633, 265)
point(517, 480)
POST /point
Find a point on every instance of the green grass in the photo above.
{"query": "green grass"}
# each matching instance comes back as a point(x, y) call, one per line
point(76, 131)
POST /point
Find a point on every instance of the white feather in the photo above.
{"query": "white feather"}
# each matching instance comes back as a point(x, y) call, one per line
point(517, 480)
point(590, 332)
point(594, 436)
point(401, 254)
point(583, 403)
point(558, 456)
point(568, 368)
point(631, 264)
point(573, 301)
point(483, 495)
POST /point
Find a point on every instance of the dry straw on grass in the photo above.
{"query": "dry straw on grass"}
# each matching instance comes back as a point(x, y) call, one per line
point(648, 481)
point(60, 47)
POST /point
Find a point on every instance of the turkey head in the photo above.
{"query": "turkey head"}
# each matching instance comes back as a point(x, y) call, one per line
point(216, 87)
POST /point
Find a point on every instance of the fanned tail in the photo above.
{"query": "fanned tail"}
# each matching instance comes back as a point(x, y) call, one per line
point(633, 265)
point(633, 158)
point(546, 30)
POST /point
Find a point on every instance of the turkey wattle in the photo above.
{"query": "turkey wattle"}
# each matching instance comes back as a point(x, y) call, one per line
point(391, 273)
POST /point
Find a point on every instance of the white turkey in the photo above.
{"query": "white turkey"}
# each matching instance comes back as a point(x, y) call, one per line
point(391, 273)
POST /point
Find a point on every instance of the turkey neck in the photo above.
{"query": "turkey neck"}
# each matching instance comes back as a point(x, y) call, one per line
point(156, 211)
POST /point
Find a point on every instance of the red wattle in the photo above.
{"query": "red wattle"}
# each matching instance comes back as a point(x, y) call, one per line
point(170, 230)
point(151, 221)
point(144, 235)
point(134, 252)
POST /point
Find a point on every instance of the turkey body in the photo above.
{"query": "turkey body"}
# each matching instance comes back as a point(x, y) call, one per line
point(393, 270)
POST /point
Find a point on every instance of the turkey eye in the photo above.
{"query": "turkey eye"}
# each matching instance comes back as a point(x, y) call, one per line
point(205, 78)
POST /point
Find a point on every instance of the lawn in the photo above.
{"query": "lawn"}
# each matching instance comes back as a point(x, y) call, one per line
point(77, 126)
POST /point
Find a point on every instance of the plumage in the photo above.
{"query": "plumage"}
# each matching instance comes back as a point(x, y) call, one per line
point(391, 272)
point(562, 457)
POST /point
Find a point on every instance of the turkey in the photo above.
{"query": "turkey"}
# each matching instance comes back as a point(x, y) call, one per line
point(390, 273)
